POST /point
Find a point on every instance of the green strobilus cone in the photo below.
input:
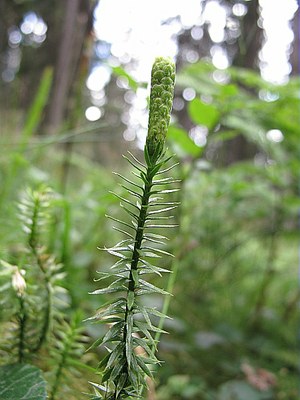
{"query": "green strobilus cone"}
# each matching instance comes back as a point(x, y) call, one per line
point(161, 100)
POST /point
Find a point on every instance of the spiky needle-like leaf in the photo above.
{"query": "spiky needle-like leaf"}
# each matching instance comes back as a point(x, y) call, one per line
point(125, 367)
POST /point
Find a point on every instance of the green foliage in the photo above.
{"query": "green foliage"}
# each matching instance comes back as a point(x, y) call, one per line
point(183, 143)
point(36, 110)
point(22, 381)
point(238, 239)
point(67, 348)
point(203, 114)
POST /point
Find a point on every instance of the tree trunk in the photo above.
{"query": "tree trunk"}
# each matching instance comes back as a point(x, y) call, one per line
point(295, 56)
point(239, 148)
point(76, 26)
point(251, 38)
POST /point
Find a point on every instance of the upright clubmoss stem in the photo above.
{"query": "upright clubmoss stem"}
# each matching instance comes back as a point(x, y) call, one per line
point(140, 229)
point(48, 289)
point(125, 369)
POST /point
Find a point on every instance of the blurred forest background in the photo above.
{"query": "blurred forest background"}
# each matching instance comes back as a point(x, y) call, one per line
point(73, 99)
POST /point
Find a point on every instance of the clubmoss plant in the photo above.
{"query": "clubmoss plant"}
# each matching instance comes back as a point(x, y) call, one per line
point(34, 327)
point(130, 341)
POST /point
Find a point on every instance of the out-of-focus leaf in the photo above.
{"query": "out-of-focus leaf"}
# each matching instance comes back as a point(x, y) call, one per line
point(22, 382)
point(203, 114)
point(229, 90)
point(119, 71)
point(199, 77)
point(183, 142)
point(35, 112)
point(223, 136)
point(249, 78)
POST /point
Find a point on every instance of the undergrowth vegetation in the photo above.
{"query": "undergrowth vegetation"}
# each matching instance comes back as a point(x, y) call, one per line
point(235, 304)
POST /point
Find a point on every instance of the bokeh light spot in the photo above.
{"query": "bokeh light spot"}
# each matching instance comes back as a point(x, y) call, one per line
point(93, 113)
point(189, 94)
point(275, 135)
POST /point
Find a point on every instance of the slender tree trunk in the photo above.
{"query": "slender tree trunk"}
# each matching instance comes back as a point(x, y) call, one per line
point(239, 148)
point(295, 56)
point(251, 38)
point(76, 27)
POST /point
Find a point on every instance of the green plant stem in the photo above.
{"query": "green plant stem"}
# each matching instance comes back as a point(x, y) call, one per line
point(60, 368)
point(167, 299)
point(291, 306)
point(22, 322)
point(136, 253)
point(267, 280)
point(48, 308)
point(140, 229)
point(48, 287)
point(47, 319)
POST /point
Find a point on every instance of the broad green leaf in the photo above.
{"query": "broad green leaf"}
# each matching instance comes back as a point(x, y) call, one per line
point(183, 142)
point(203, 114)
point(22, 382)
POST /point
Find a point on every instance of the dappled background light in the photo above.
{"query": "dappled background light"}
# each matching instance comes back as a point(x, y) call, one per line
point(133, 40)
point(31, 32)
